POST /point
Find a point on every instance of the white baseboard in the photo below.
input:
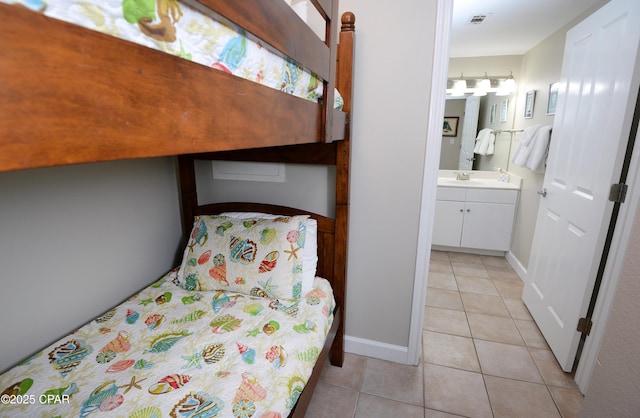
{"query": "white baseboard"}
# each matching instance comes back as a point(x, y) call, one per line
point(517, 266)
point(468, 250)
point(376, 349)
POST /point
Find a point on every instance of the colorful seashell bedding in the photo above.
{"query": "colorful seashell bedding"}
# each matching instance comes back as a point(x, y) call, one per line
point(168, 351)
point(188, 30)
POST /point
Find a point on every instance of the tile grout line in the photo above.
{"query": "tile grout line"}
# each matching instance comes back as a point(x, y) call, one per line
point(502, 296)
point(475, 349)
point(538, 367)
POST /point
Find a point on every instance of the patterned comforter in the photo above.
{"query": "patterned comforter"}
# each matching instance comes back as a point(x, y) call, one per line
point(189, 30)
point(170, 352)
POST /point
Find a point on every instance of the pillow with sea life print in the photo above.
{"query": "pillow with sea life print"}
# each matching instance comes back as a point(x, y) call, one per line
point(310, 250)
point(254, 256)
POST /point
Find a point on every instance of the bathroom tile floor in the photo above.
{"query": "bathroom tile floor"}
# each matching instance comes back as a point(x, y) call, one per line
point(483, 356)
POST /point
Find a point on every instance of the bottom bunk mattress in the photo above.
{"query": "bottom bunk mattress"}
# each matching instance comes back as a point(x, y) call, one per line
point(171, 352)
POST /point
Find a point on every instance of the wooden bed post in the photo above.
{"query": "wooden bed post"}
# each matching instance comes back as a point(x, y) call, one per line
point(188, 192)
point(346, 58)
point(331, 84)
point(345, 87)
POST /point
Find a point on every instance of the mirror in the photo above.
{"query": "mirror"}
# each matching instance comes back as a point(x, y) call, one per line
point(496, 113)
point(494, 67)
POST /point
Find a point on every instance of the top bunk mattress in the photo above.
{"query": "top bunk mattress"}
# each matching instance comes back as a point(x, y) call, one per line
point(189, 30)
point(168, 351)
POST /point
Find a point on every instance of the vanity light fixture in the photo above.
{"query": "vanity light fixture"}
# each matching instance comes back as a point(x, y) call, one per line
point(480, 86)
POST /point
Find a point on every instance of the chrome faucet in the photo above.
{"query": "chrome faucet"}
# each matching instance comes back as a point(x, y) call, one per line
point(465, 175)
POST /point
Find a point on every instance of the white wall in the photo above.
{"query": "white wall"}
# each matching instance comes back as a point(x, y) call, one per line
point(613, 391)
point(306, 187)
point(393, 69)
point(540, 67)
point(76, 240)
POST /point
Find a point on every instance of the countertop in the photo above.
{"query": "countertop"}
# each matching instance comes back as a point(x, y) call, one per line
point(479, 180)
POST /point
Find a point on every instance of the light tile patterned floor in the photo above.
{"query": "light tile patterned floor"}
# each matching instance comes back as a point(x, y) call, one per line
point(483, 356)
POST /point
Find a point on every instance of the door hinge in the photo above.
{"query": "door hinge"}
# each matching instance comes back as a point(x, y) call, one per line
point(584, 325)
point(618, 192)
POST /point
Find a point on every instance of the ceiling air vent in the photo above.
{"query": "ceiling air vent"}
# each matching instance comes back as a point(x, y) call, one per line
point(477, 19)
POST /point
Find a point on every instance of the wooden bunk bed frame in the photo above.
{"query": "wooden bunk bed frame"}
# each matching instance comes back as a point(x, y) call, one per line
point(332, 233)
point(72, 95)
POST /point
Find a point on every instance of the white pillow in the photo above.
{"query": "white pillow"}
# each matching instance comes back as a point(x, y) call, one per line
point(310, 255)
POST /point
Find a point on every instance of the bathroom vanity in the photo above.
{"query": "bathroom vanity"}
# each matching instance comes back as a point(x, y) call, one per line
point(475, 214)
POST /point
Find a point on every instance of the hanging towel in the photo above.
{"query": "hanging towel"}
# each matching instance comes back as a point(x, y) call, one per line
point(523, 151)
point(539, 150)
point(485, 142)
point(492, 142)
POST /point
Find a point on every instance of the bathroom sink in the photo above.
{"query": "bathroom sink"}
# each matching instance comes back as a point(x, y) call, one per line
point(463, 182)
point(479, 179)
point(479, 183)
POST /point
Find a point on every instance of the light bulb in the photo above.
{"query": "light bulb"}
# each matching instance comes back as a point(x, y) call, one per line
point(484, 84)
point(510, 83)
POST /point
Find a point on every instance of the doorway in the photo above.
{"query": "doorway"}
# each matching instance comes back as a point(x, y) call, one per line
point(586, 157)
point(618, 246)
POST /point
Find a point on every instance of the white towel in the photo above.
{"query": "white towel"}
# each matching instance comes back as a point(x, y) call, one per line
point(540, 149)
point(522, 152)
point(492, 142)
point(485, 142)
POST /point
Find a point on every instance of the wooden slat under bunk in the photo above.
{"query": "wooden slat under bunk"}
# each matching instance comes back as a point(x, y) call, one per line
point(73, 95)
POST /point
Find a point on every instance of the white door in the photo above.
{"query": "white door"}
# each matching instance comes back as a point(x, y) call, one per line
point(469, 133)
point(590, 132)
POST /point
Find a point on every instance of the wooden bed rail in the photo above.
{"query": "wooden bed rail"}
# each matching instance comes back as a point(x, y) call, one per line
point(275, 23)
point(73, 95)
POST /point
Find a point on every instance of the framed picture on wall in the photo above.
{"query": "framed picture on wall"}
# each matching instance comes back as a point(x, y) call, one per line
point(553, 98)
point(492, 113)
point(528, 104)
point(450, 127)
point(503, 110)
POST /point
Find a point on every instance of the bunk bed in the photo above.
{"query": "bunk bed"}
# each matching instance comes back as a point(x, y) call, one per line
point(73, 95)
point(92, 93)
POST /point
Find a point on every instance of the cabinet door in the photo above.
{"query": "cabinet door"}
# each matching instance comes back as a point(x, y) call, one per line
point(448, 223)
point(487, 226)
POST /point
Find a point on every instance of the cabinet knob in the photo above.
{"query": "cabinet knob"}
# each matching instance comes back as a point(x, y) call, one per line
point(468, 210)
point(461, 210)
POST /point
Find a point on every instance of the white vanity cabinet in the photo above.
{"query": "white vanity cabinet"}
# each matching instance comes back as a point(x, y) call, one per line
point(475, 218)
